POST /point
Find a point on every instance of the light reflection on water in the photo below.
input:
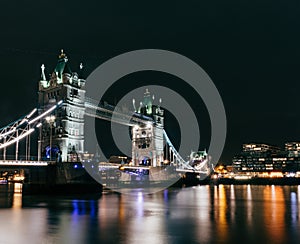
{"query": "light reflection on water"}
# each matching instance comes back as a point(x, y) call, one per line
point(202, 214)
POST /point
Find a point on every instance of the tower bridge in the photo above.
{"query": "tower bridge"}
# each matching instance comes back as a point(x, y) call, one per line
point(59, 122)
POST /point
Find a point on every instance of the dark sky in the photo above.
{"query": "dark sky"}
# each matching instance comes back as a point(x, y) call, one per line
point(250, 49)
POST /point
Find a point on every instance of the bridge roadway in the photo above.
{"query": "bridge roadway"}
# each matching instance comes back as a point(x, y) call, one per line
point(25, 163)
point(103, 166)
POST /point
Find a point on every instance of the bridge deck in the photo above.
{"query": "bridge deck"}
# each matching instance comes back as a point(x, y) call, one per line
point(24, 163)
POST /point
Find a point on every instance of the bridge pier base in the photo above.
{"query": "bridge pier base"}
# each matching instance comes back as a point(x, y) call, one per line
point(55, 179)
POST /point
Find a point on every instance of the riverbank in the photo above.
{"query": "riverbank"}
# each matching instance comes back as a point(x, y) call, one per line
point(256, 181)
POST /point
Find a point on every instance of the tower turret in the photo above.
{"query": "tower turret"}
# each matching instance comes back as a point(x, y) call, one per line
point(67, 131)
point(147, 146)
point(147, 102)
point(43, 82)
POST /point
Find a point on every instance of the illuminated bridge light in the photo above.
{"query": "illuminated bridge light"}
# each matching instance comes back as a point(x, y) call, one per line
point(23, 163)
point(16, 139)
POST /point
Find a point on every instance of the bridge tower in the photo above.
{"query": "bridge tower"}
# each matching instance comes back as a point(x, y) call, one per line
point(62, 139)
point(148, 139)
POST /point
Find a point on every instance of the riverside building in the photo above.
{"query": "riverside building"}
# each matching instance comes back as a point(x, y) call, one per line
point(264, 160)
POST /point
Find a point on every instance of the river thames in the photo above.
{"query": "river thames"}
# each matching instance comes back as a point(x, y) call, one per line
point(200, 214)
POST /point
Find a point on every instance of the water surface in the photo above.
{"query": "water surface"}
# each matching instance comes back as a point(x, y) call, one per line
point(202, 214)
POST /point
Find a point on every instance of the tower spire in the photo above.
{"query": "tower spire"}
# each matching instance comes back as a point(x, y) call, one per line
point(43, 72)
point(62, 54)
point(147, 102)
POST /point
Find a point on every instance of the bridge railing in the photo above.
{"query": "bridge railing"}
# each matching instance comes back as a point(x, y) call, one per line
point(24, 163)
point(20, 157)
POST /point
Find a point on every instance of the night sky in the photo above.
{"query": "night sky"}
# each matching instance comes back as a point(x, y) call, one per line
point(250, 49)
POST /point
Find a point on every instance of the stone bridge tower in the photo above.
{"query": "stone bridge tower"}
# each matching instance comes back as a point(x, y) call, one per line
point(148, 139)
point(62, 138)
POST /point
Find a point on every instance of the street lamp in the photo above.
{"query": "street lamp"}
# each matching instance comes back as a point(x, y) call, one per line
point(50, 119)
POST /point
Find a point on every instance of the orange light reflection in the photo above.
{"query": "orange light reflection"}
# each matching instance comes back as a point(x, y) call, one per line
point(274, 213)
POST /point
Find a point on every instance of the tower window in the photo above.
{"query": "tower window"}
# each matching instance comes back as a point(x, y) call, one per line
point(74, 92)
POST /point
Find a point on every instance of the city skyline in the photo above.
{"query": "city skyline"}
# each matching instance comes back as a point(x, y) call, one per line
point(250, 51)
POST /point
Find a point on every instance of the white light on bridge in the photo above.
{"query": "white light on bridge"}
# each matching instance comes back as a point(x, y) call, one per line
point(50, 119)
point(23, 163)
point(46, 112)
point(17, 138)
point(8, 132)
point(32, 112)
point(23, 121)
